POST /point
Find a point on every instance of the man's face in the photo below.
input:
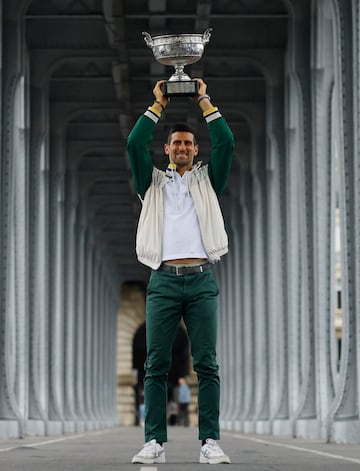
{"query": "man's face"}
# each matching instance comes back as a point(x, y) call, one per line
point(181, 149)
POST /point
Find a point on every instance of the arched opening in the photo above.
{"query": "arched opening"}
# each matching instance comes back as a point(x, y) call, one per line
point(180, 364)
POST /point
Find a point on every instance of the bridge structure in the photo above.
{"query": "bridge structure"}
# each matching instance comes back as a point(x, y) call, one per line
point(75, 75)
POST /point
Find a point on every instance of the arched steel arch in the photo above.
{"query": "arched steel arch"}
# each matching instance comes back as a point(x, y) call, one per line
point(283, 348)
point(59, 289)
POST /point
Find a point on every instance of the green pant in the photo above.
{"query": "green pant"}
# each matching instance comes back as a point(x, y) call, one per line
point(170, 297)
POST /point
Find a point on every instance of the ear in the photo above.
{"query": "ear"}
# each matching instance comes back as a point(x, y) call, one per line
point(196, 149)
point(166, 149)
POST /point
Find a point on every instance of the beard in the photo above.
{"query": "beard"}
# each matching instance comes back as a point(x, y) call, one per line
point(184, 161)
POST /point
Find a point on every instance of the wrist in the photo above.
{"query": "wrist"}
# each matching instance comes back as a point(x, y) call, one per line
point(204, 102)
point(203, 96)
point(160, 105)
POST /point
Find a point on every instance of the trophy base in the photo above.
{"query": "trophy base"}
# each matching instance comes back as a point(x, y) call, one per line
point(180, 88)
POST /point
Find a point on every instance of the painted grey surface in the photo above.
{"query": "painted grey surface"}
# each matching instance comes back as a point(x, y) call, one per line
point(113, 450)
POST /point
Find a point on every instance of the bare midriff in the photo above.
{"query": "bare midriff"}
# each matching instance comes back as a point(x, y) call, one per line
point(185, 261)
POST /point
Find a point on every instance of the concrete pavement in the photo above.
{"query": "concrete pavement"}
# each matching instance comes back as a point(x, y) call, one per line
point(112, 450)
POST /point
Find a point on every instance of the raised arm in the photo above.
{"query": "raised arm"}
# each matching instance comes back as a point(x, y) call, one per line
point(139, 141)
point(221, 137)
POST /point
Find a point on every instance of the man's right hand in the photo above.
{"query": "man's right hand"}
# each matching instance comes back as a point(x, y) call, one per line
point(160, 99)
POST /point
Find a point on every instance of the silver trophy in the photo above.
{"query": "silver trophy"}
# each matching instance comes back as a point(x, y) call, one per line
point(178, 50)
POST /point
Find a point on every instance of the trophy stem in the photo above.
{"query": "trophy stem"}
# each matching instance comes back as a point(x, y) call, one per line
point(179, 69)
point(179, 74)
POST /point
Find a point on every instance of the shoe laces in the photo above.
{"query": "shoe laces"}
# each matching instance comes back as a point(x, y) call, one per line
point(152, 444)
point(212, 445)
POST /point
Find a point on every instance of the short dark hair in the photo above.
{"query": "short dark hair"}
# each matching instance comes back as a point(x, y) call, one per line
point(181, 127)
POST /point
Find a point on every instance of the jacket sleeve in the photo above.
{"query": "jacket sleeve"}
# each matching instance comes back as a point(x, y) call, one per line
point(139, 155)
point(222, 150)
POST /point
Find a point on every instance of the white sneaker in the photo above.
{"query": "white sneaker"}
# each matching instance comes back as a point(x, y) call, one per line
point(150, 453)
point(211, 453)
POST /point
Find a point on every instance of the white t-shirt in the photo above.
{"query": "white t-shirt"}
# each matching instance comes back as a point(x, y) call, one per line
point(181, 232)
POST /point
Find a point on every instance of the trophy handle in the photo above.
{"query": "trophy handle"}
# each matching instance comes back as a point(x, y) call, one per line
point(148, 39)
point(206, 36)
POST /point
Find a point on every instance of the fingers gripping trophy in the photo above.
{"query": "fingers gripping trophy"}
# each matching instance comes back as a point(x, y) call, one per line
point(178, 50)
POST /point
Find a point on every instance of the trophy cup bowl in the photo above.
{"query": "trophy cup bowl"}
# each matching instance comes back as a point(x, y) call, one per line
point(178, 50)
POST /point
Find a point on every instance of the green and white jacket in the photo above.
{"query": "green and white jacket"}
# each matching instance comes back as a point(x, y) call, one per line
point(206, 183)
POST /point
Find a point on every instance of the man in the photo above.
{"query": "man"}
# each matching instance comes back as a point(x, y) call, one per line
point(180, 234)
point(184, 399)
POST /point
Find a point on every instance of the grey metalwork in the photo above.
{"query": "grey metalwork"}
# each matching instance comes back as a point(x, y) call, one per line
point(48, 364)
point(303, 388)
point(68, 210)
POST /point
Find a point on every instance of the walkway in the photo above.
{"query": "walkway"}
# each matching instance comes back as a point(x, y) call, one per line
point(111, 450)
